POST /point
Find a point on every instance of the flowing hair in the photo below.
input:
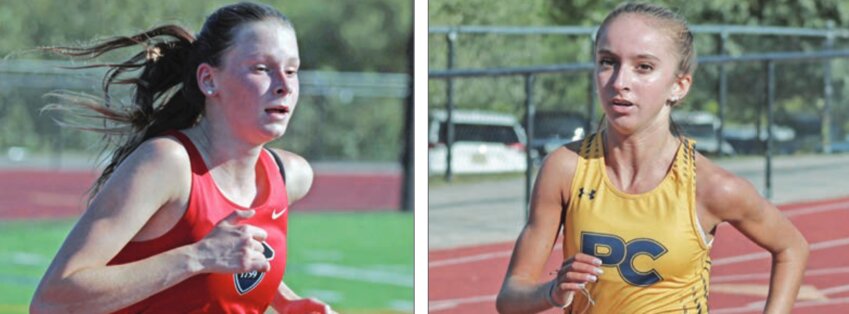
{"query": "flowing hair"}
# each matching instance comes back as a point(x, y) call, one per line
point(165, 95)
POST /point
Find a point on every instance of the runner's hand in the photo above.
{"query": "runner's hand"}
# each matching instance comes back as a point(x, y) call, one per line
point(573, 276)
point(233, 247)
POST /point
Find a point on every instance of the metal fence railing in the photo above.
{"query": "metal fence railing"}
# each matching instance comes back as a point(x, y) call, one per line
point(530, 73)
point(723, 35)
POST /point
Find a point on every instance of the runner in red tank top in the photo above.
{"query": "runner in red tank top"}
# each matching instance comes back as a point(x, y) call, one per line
point(216, 292)
point(191, 221)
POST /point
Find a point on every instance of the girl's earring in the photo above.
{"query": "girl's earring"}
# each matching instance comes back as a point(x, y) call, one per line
point(209, 92)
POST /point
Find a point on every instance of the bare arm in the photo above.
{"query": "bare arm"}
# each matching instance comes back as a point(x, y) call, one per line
point(286, 301)
point(282, 298)
point(732, 199)
point(78, 279)
point(521, 291)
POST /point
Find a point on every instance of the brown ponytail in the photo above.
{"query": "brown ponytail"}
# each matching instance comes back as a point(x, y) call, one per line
point(165, 93)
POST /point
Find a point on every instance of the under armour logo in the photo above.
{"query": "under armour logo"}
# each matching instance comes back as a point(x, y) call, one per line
point(248, 281)
point(591, 194)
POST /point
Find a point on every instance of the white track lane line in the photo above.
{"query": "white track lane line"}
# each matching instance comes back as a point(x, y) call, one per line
point(765, 275)
point(813, 209)
point(376, 276)
point(478, 257)
point(757, 307)
point(816, 209)
point(437, 305)
point(452, 303)
point(759, 255)
point(835, 290)
point(467, 259)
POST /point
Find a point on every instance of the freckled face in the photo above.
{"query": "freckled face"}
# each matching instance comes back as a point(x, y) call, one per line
point(636, 73)
point(257, 82)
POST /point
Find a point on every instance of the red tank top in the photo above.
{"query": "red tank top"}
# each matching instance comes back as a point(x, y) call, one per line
point(217, 292)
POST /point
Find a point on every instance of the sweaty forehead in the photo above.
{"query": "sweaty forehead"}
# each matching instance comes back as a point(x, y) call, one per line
point(636, 33)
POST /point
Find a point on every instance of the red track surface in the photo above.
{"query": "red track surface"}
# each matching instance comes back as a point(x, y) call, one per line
point(466, 280)
point(43, 194)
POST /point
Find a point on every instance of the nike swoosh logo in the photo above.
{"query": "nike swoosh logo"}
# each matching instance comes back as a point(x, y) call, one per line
point(275, 214)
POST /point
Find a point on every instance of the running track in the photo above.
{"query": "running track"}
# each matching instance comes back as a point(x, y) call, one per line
point(44, 194)
point(466, 280)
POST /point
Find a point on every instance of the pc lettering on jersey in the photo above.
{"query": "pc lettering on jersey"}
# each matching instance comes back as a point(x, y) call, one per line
point(245, 282)
point(615, 252)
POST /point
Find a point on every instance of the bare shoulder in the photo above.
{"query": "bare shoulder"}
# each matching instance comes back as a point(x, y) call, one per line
point(558, 169)
point(726, 196)
point(152, 160)
point(156, 175)
point(140, 174)
point(563, 160)
point(299, 174)
point(290, 158)
point(166, 150)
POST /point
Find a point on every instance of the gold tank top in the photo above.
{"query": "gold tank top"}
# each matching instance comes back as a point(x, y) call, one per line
point(653, 250)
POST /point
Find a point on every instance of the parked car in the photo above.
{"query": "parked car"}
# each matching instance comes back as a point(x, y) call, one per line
point(745, 139)
point(484, 142)
point(703, 127)
point(553, 129)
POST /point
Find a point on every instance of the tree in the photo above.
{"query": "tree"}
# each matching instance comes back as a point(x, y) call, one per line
point(481, 51)
point(505, 94)
point(361, 36)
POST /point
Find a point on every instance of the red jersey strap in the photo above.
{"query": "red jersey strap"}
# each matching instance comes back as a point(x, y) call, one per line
point(198, 166)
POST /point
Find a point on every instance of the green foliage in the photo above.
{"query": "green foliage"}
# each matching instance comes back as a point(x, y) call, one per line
point(505, 94)
point(330, 128)
point(484, 12)
point(16, 127)
point(799, 86)
point(366, 35)
point(361, 36)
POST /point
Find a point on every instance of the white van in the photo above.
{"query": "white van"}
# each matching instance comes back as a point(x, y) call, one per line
point(484, 142)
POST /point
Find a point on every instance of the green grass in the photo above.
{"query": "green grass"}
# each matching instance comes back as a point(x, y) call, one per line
point(365, 259)
point(358, 262)
point(26, 248)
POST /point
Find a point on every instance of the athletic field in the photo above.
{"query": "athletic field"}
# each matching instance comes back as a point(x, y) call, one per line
point(358, 261)
point(346, 259)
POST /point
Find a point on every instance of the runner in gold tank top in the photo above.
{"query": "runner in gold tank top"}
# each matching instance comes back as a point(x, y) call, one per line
point(636, 252)
point(638, 204)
